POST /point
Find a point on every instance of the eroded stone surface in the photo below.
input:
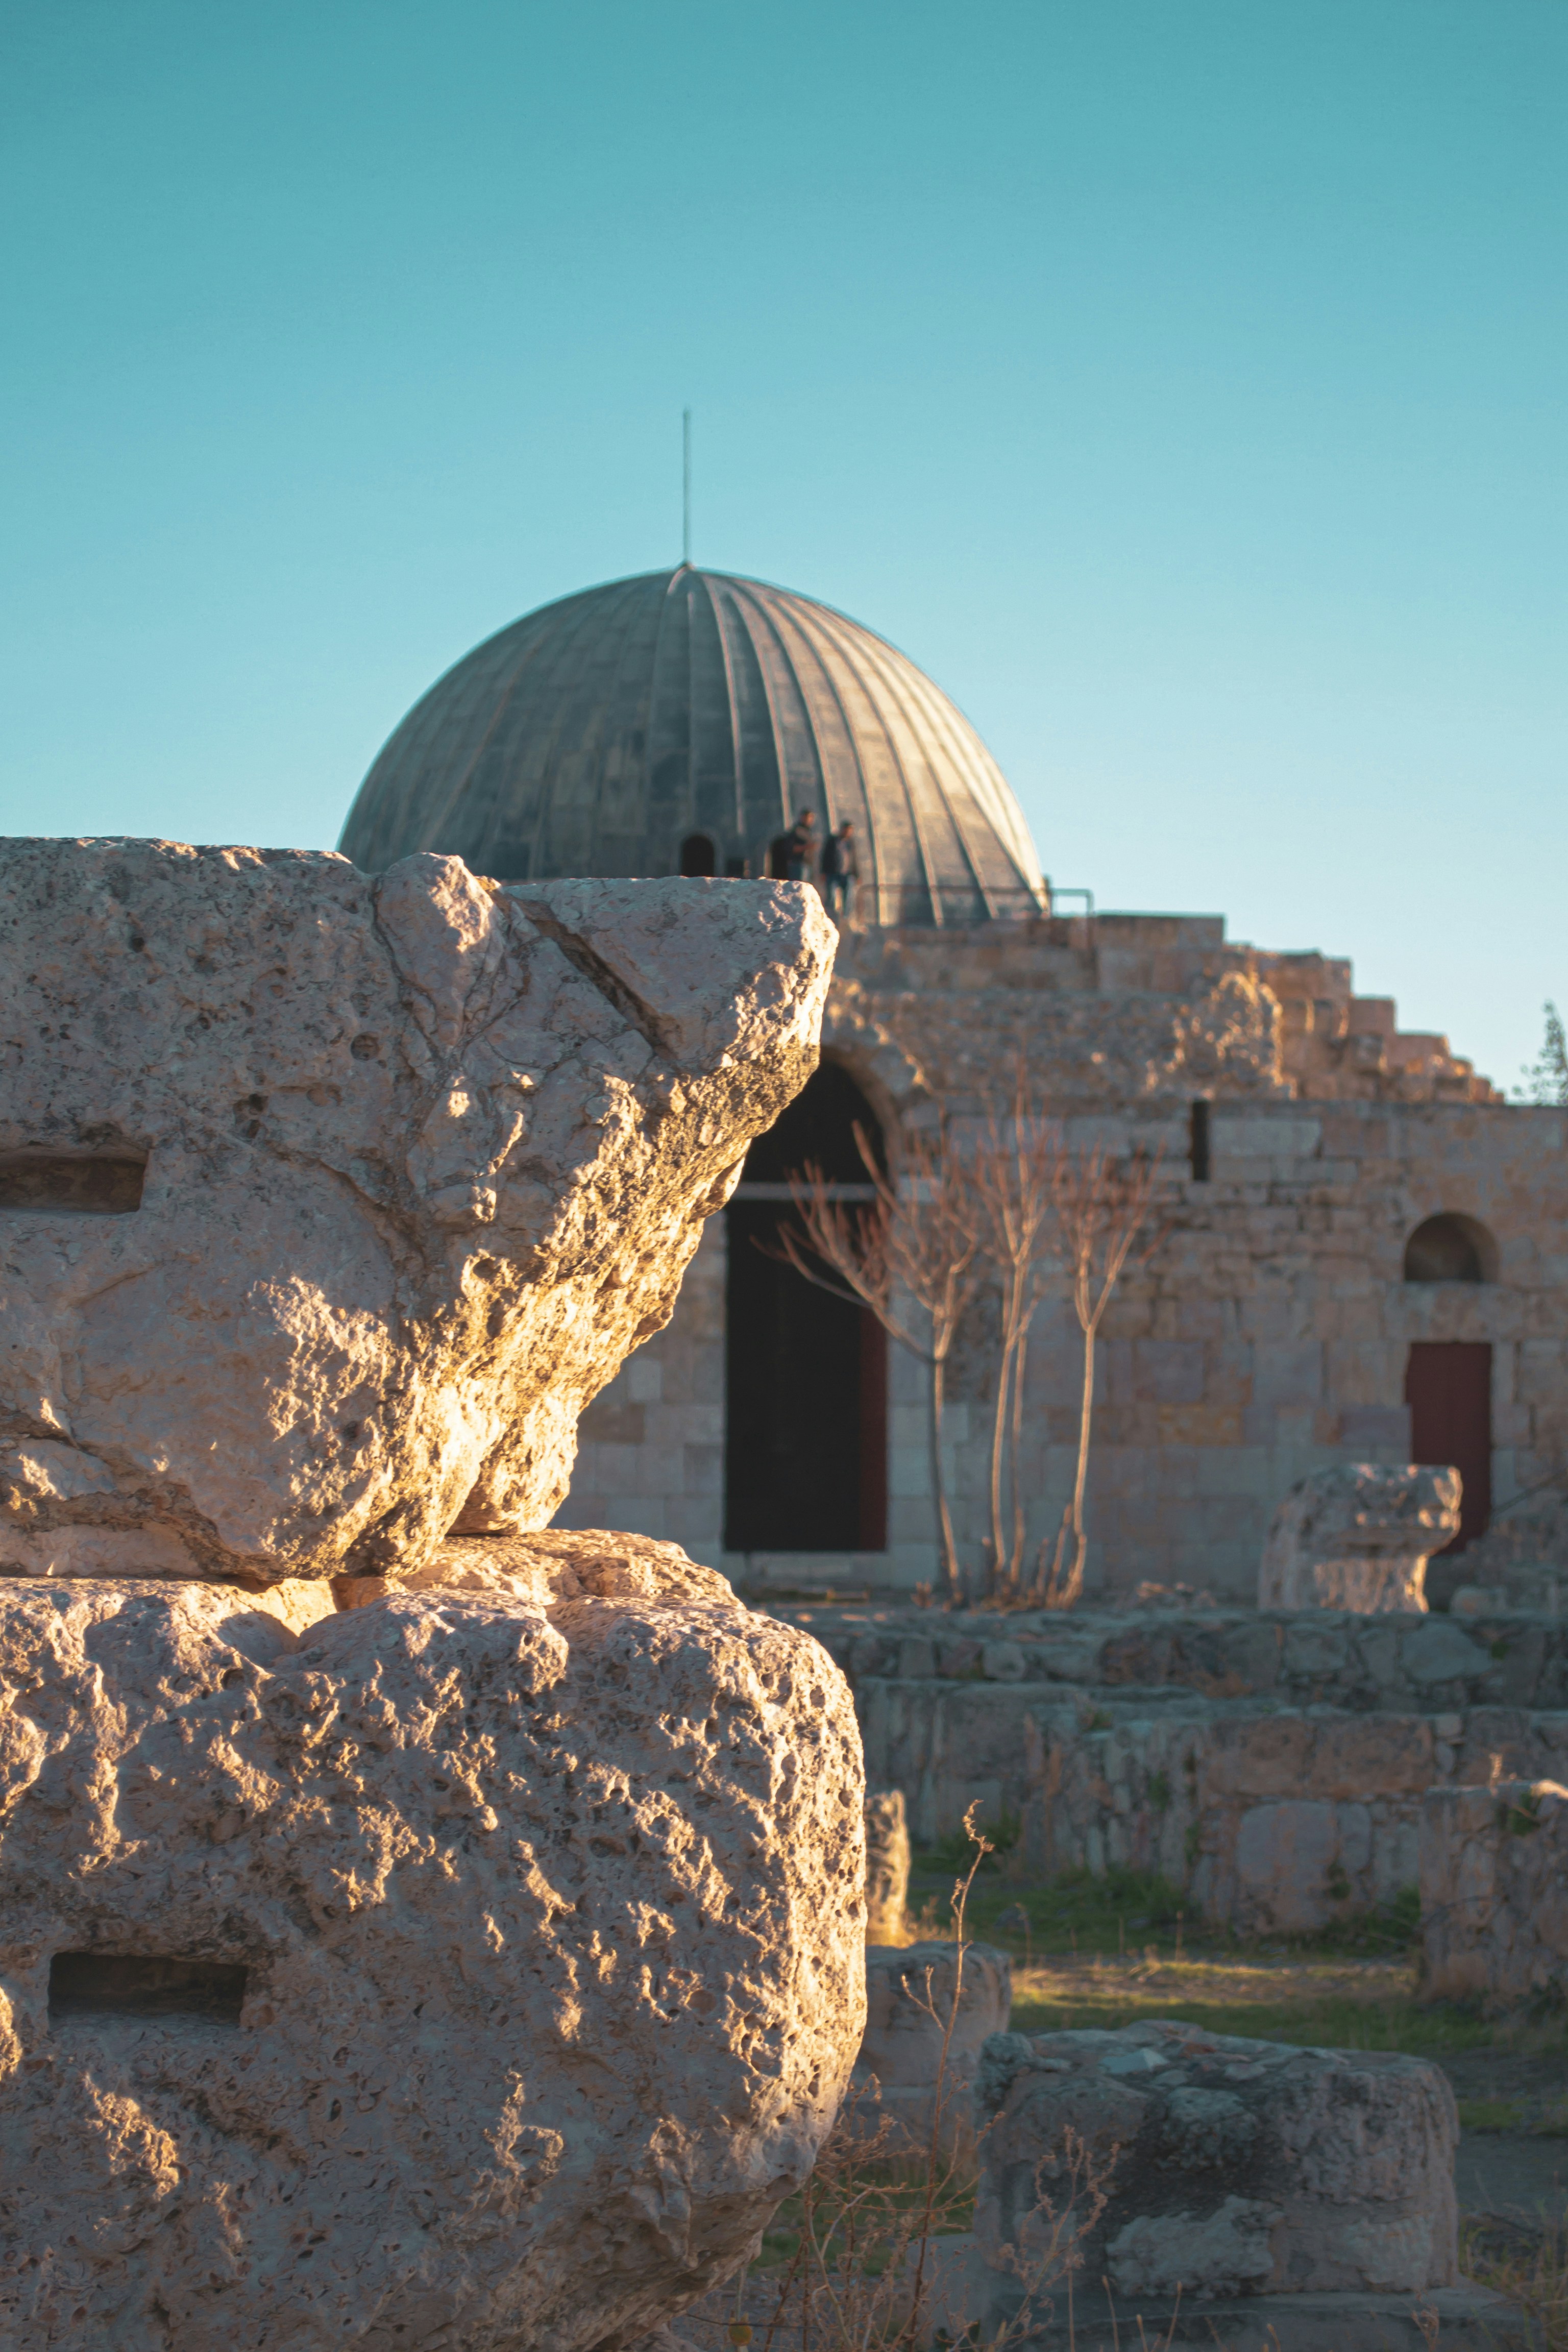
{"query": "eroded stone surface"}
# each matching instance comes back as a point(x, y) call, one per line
point(549, 1906)
point(1358, 1536)
point(419, 1162)
point(1244, 2166)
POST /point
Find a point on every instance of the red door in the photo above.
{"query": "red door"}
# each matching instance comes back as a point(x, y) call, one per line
point(1449, 1388)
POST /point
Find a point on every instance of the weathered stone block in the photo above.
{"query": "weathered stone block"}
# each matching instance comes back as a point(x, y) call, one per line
point(887, 1866)
point(1358, 1537)
point(481, 1966)
point(910, 1991)
point(1242, 2168)
point(1494, 1891)
point(331, 1201)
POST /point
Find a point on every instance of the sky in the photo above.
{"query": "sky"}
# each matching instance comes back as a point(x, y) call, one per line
point(1179, 382)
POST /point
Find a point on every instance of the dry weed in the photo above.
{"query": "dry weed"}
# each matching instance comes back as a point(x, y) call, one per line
point(859, 2263)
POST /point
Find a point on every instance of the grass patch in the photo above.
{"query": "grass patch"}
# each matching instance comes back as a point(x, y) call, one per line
point(1129, 1911)
point(1076, 1914)
point(1490, 2115)
point(1313, 2005)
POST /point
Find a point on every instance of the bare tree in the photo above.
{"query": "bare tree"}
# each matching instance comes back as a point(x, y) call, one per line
point(914, 1243)
point(1013, 1177)
point(1101, 1206)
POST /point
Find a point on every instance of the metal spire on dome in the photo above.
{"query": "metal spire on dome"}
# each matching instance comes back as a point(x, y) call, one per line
point(686, 486)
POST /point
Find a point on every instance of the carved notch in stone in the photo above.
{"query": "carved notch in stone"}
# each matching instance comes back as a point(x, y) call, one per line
point(76, 1184)
point(123, 1984)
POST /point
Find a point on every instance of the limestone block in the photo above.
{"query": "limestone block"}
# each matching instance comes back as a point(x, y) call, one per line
point(479, 1965)
point(887, 1866)
point(911, 1994)
point(1243, 2168)
point(328, 1200)
point(1494, 1891)
point(1357, 1535)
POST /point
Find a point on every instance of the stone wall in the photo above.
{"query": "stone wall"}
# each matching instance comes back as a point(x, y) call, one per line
point(1494, 1890)
point(1268, 1335)
point(1271, 1766)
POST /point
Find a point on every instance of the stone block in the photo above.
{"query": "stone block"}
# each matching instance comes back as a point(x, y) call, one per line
point(481, 1964)
point(643, 1376)
point(344, 1194)
point(1241, 2168)
point(887, 1866)
point(911, 1993)
point(1356, 1536)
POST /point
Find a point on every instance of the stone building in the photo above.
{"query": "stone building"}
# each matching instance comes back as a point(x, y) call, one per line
point(1363, 1249)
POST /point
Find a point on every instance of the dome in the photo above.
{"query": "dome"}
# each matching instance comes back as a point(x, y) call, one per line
point(675, 723)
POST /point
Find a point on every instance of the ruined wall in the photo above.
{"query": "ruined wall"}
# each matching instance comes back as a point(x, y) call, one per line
point(1268, 1335)
point(1271, 1766)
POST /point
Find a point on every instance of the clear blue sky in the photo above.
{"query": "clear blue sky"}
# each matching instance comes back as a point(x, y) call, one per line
point(1180, 381)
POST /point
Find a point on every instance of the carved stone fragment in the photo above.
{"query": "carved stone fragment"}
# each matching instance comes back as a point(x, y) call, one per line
point(1358, 1536)
point(328, 1201)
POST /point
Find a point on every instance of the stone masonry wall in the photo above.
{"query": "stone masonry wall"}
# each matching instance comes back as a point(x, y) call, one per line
point(1271, 1766)
point(1269, 1334)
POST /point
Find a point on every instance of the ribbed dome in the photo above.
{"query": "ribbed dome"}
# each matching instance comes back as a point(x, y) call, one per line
point(598, 734)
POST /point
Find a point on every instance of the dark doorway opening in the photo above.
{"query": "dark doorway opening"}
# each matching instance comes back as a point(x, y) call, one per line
point(805, 1441)
point(1449, 1388)
point(698, 856)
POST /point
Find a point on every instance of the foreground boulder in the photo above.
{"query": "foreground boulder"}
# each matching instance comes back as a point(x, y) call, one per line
point(480, 1966)
point(329, 1202)
point(1358, 1536)
point(1230, 2168)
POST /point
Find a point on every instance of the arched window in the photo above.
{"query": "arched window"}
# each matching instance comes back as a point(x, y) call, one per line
point(698, 856)
point(1450, 1248)
point(806, 1433)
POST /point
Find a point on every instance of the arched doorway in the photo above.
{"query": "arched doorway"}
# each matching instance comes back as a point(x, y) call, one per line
point(806, 1431)
point(698, 856)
